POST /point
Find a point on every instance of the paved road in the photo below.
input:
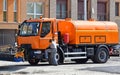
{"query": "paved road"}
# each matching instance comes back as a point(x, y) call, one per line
point(112, 67)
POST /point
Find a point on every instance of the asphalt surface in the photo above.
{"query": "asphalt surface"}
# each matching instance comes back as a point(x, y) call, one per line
point(112, 67)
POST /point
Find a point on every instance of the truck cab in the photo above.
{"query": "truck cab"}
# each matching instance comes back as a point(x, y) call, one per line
point(35, 36)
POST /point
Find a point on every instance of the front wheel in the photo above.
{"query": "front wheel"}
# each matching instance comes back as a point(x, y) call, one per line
point(59, 57)
point(101, 55)
point(33, 61)
point(56, 58)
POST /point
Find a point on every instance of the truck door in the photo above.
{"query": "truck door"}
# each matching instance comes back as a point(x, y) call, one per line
point(45, 34)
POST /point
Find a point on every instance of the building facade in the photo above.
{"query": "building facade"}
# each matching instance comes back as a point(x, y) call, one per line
point(13, 12)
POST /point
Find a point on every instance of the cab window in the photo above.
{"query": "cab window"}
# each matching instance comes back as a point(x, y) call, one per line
point(45, 28)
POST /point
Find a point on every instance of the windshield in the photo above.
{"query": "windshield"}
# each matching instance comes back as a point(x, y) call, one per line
point(29, 28)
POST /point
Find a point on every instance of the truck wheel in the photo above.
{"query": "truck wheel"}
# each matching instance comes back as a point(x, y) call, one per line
point(101, 55)
point(58, 57)
point(33, 61)
point(81, 61)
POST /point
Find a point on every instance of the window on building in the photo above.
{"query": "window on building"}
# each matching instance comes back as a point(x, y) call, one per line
point(117, 9)
point(15, 10)
point(61, 10)
point(4, 10)
point(80, 10)
point(34, 10)
point(101, 11)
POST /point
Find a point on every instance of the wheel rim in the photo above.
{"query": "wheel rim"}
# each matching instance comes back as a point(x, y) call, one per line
point(102, 55)
point(57, 57)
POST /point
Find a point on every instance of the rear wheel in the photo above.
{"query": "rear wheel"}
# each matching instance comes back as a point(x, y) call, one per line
point(33, 61)
point(101, 56)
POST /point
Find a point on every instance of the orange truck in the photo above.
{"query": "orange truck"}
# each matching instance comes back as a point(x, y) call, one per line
point(76, 40)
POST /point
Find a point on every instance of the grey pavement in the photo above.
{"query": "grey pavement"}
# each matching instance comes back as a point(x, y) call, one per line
point(112, 67)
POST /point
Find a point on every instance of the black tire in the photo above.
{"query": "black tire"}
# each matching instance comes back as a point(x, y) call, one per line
point(81, 61)
point(101, 55)
point(33, 61)
point(59, 57)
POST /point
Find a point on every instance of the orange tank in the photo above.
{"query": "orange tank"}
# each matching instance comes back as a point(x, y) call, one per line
point(89, 32)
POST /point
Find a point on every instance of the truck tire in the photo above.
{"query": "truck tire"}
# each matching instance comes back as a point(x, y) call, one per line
point(101, 55)
point(33, 61)
point(59, 57)
point(81, 61)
